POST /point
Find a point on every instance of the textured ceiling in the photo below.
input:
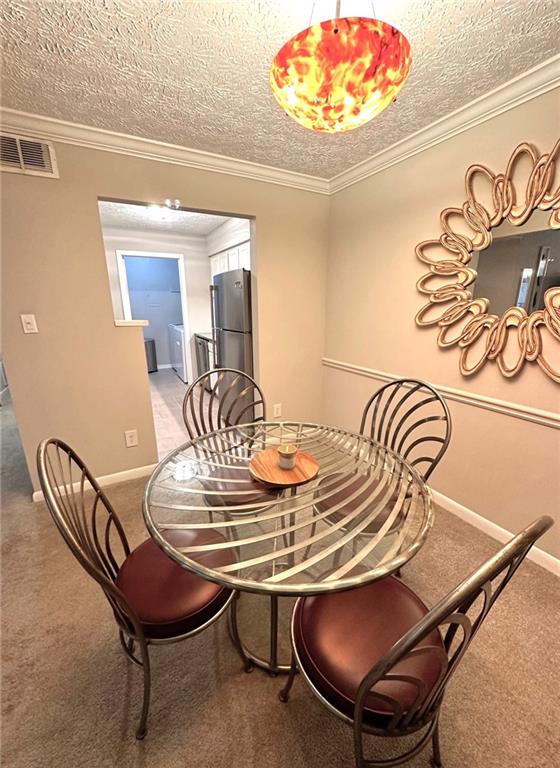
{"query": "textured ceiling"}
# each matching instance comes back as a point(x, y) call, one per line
point(196, 73)
point(157, 220)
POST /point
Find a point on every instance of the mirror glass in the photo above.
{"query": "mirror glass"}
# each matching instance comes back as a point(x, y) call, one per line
point(519, 265)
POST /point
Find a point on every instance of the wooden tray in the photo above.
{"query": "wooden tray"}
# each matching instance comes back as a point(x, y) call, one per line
point(264, 468)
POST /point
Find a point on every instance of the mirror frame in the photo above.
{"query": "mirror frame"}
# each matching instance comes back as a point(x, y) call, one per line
point(448, 257)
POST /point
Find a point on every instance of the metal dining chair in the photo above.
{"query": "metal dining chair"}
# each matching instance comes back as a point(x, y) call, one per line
point(411, 418)
point(407, 416)
point(226, 397)
point(154, 600)
point(380, 660)
point(222, 397)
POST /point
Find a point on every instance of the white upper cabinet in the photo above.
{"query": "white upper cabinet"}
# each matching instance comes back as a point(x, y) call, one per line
point(214, 265)
point(245, 255)
point(219, 263)
point(229, 246)
point(233, 258)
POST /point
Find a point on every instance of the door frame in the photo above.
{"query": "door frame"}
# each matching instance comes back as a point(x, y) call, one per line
point(125, 296)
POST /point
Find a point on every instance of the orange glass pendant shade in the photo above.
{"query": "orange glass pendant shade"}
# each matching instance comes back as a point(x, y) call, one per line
point(337, 75)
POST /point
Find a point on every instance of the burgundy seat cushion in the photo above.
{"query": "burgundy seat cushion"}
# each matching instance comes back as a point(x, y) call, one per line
point(366, 488)
point(169, 600)
point(339, 637)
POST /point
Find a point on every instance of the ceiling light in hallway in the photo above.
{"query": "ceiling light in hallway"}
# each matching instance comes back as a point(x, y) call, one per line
point(159, 212)
point(176, 204)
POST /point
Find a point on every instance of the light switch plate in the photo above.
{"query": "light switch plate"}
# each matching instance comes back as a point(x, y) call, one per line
point(29, 324)
point(277, 410)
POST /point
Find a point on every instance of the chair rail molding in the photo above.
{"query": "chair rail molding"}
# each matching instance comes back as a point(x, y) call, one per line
point(516, 410)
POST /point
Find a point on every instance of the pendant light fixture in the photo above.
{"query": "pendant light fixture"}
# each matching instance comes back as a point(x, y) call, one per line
point(338, 74)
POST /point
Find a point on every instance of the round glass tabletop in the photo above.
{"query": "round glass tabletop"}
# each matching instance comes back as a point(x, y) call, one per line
point(364, 514)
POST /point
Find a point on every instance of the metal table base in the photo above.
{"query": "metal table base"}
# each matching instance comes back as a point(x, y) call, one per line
point(250, 659)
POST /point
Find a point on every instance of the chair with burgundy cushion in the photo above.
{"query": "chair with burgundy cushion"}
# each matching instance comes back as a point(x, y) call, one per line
point(154, 600)
point(410, 418)
point(221, 398)
point(378, 658)
point(218, 399)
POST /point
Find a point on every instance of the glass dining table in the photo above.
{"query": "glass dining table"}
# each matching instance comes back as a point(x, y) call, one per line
point(364, 514)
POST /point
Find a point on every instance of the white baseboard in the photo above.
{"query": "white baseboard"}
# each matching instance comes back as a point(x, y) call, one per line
point(164, 365)
point(117, 477)
point(537, 555)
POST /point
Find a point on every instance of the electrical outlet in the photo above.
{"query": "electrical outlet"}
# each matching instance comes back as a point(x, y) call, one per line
point(131, 438)
point(277, 410)
point(29, 324)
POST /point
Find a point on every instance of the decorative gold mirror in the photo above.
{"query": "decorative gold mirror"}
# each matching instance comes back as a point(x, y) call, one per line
point(514, 275)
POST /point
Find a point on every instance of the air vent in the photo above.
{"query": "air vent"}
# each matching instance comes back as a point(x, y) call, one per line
point(22, 154)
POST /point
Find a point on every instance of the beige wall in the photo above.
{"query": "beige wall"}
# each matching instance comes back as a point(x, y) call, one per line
point(505, 469)
point(85, 380)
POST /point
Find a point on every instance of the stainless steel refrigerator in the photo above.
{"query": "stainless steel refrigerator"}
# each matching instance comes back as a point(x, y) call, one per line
point(230, 294)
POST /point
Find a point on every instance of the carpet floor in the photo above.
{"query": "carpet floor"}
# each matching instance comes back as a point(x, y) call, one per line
point(70, 698)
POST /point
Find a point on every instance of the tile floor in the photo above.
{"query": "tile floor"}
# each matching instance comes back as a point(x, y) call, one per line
point(168, 392)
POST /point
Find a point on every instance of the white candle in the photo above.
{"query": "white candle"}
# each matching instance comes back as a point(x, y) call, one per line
point(287, 456)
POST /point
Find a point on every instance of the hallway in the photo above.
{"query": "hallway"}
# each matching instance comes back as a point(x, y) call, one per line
point(167, 393)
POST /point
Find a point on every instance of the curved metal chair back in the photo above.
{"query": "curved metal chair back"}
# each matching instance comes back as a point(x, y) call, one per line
point(87, 521)
point(223, 397)
point(411, 418)
point(458, 616)
point(90, 527)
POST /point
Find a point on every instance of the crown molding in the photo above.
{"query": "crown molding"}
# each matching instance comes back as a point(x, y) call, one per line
point(52, 129)
point(542, 78)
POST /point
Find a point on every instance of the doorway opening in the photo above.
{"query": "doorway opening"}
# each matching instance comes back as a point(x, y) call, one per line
point(153, 288)
point(164, 263)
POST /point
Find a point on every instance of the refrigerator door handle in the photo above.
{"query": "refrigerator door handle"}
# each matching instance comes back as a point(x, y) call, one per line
point(213, 290)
